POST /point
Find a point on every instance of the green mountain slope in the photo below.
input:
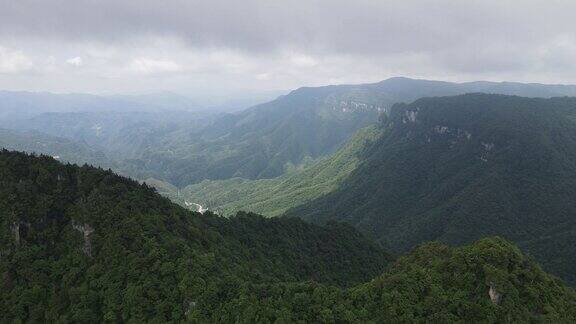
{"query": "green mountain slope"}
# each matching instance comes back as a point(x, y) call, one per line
point(489, 281)
point(273, 197)
point(79, 244)
point(456, 169)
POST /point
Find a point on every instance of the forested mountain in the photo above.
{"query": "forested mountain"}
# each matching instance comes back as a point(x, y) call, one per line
point(80, 244)
point(265, 141)
point(456, 169)
point(489, 281)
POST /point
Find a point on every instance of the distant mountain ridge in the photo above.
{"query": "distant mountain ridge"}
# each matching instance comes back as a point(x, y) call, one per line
point(62, 149)
point(260, 142)
point(24, 104)
point(266, 140)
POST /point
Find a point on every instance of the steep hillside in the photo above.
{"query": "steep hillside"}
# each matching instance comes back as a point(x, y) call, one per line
point(456, 169)
point(489, 281)
point(261, 142)
point(273, 197)
point(79, 244)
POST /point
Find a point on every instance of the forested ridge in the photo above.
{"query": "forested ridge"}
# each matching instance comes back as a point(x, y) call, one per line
point(489, 281)
point(80, 244)
point(460, 168)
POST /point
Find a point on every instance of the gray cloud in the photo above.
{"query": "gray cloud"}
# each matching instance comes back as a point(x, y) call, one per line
point(354, 26)
point(261, 40)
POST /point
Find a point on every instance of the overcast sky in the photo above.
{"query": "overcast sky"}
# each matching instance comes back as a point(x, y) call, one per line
point(216, 47)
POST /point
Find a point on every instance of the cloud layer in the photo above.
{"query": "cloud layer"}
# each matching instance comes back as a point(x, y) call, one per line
point(227, 46)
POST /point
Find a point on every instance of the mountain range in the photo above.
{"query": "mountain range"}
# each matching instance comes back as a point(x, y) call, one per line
point(262, 142)
point(452, 169)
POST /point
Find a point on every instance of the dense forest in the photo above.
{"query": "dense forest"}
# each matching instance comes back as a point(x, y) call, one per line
point(489, 281)
point(456, 169)
point(81, 244)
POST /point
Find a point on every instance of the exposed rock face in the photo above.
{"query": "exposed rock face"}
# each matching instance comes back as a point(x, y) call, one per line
point(355, 106)
point(495, 296)
point(18, 231)
point(189, 307)
point(410, 116)
point(86, 230)
point(15, 228)
point(441, 129)
point(488, 146)
point(459, 133)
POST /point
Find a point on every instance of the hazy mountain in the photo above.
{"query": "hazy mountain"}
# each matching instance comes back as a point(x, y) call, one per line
point(183, 147)
point(459, 168)
point(62, 149)
point(201, 102)
point(266, 140)
point(20, 104)
point(124, 135)
point(166, 101)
